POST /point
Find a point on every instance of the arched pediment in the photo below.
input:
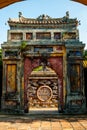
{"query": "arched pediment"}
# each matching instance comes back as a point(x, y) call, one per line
point(40, 71)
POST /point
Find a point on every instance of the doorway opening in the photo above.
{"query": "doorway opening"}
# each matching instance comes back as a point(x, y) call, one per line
point(42, 91)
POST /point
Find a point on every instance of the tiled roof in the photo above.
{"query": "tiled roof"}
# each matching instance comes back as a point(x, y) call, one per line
point(43, 20)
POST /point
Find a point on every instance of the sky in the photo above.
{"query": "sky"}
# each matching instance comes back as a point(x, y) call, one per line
point(53, 8)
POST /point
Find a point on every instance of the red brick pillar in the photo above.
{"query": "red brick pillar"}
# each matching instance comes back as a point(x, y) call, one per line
point(57, 66)
point(27, 72)
point(29, 64)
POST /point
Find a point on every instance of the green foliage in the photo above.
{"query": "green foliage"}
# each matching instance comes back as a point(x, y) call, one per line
point(85, 54)
point(23, 45)
point(37, 68)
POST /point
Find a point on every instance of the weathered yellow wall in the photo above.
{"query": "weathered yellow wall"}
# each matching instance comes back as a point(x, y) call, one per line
point(85, 63)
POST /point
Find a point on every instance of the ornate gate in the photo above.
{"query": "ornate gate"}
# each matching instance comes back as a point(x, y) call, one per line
point(42, 90)
point(43, 82)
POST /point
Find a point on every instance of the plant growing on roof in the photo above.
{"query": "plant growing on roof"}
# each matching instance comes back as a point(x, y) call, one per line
point(85, 54)
point(23, 45)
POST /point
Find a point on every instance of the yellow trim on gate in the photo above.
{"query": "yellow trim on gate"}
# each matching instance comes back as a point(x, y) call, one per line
point(85, 63)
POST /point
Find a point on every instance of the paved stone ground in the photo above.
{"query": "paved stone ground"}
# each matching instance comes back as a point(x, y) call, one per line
point(43, 122)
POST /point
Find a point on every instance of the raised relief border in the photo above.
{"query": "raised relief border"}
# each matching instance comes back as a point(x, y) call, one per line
point(44, 93)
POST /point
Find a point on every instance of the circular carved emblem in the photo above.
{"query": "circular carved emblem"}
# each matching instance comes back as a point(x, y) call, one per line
point(44, 93)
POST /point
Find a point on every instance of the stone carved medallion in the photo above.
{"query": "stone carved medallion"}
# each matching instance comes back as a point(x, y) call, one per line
point(44, 93)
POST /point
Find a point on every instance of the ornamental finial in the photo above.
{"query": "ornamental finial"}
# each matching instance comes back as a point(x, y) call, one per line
point(20, 14)
point(67, 14)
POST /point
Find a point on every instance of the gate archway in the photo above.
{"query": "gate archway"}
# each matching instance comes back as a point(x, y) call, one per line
point(42, 90)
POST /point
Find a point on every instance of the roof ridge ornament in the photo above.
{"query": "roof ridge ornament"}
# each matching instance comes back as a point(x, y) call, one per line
point(20, 14)
point(43, 17)
point(67, 14)
point(66, 18)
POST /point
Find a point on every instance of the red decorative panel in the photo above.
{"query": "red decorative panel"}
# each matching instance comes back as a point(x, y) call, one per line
point(57, 65)
point(16, 36)
point(29, 65)
point(27, 70)
point(29, 36)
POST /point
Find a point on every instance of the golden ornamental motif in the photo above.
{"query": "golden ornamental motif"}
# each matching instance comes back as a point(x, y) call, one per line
point(44, 93)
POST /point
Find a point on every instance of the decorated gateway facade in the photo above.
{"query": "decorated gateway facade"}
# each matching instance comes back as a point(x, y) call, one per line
point(42, 65)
